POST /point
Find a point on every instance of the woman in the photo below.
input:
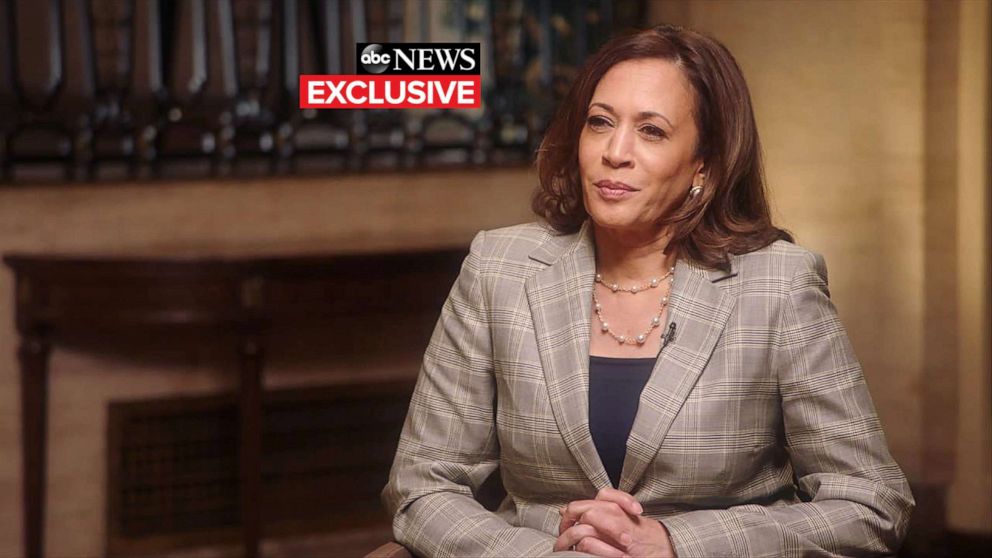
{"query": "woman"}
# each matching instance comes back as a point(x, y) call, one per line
point(654, 369)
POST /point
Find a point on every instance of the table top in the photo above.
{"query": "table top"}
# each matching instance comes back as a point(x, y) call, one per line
point(77, 292)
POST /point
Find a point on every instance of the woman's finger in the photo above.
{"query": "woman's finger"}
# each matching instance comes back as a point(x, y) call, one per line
point(573, 535)
point(592, 545)
point(623, 499)
point(571, 513)
point(614, 525)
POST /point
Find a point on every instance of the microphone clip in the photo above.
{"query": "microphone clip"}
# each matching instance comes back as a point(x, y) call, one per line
point(669, 335)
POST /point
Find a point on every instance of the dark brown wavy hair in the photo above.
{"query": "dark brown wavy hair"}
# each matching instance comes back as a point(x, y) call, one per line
point(731, 215)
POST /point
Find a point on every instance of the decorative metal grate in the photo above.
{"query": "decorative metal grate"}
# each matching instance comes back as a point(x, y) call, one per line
point(134, 89)
point(173, 467)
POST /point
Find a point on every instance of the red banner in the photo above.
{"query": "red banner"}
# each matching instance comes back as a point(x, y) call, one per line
point(389, 92)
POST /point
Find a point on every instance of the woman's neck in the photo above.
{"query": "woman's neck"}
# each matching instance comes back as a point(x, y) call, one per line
point(625, 257)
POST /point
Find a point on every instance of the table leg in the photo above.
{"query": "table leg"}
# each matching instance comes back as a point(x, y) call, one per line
point(250, 458)
point(33, 355)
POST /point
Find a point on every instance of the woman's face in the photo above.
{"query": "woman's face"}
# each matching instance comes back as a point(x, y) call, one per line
point(637, 147)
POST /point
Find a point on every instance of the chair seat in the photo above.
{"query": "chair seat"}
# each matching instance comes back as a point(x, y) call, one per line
point(390, 550)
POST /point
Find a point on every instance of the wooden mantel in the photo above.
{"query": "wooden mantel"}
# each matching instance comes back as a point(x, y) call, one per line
point(103, 298)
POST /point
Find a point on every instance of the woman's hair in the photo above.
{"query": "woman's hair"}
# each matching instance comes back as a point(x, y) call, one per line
point(731, 214)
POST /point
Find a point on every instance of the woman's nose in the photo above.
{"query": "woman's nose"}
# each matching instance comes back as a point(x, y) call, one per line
point(617, 153)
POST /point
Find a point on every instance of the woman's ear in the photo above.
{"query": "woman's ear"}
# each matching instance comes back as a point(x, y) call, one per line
point(699, 178)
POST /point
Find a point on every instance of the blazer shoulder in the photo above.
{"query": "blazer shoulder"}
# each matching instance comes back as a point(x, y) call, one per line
point(782, 259)
point(514, 243)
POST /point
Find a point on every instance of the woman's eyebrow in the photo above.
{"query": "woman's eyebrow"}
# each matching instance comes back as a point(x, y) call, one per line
point(642, 114)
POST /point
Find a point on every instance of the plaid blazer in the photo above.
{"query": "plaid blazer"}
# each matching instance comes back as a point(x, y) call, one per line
point(754, 436)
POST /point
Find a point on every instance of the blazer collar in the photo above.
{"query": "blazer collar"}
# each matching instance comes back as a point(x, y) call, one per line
point(558, 246)
point(560, 299)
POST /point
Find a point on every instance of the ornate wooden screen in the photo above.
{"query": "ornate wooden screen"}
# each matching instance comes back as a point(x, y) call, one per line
point(108, 89)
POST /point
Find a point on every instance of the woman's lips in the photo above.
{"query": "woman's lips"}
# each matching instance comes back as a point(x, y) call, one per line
point(609, 190)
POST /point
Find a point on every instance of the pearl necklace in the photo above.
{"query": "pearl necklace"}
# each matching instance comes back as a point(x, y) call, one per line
point(654, 282)
point(655, 320)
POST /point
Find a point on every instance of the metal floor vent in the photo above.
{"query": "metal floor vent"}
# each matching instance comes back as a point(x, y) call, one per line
point(173, 466)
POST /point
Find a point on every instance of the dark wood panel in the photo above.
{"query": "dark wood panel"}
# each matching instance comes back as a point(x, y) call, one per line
point(197, 473)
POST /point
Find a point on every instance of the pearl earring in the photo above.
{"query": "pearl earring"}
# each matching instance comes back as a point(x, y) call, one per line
point(695, 191)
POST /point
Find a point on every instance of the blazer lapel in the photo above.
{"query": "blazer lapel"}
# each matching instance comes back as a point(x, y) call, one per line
point(560, 302)
point(699, 309)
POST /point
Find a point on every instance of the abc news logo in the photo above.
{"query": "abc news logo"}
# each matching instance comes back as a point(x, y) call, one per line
point(418, 58)
point(401, 75)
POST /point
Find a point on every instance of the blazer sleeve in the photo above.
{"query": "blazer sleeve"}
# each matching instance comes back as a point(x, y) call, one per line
point(448, 446)
point(855, 499)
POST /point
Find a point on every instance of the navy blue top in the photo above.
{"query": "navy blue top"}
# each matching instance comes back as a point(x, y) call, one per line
point(615, 386)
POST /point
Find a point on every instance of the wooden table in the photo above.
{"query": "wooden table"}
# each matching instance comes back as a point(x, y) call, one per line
point(103, 297)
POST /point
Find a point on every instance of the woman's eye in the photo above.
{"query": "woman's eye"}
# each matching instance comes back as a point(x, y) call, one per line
point(600, 123)
point(597, 122)
point(653, 131)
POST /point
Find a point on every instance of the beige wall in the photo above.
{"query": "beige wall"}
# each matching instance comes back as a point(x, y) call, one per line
point(874, 117)
point(970, 503)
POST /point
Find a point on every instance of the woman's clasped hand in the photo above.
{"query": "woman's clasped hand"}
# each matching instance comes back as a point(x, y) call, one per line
point(612, 526)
